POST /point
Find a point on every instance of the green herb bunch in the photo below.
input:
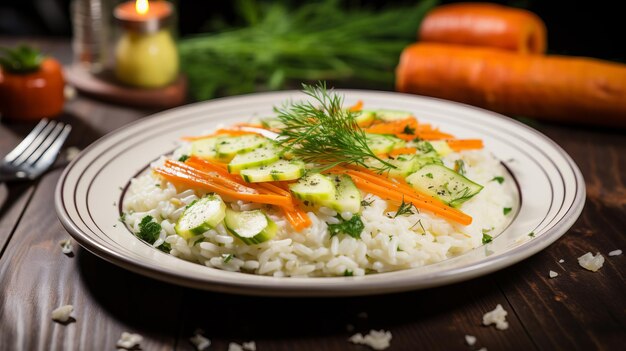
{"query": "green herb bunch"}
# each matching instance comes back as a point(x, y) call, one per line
point(320, 40)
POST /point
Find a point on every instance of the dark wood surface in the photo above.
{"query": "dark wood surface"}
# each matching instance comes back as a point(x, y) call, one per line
point(578, 310)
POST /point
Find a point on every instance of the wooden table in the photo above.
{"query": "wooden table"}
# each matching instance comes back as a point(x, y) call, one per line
point(578, 309)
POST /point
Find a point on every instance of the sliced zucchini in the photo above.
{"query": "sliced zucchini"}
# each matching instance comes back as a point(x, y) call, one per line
point(272, 123)
point(251, 227)
point(392, 115)
point(422, 161)
point(424, 148)
point(441, 147)
point(365, 118)
point(347, 196)
point(260, 156)
point(316, 188)
point(405, 165)
point(444, 184)
point(229, 146)
point(381, 143)
point(200, 216)
point(279, 170)
point(205, 148)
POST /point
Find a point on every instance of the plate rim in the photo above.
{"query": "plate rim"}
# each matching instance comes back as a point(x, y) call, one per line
point(465, 272)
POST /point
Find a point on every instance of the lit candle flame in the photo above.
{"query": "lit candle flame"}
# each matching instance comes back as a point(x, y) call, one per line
point(142, 6)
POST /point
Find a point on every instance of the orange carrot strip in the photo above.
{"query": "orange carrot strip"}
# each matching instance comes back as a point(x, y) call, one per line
point(434, 135)
point(200, 180)
point(356, 107)
point(487, 25)
point(398, 185)
point(465, 144)
point(429, 205)
point(393, 127)
point(213, 176)
point(403, 150)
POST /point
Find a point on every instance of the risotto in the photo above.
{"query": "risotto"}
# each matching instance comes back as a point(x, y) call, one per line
point(249, 198)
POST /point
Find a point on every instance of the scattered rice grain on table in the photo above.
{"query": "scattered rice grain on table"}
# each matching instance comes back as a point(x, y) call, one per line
point(497, 317)
point(615, 253)
point(590, 262)
point(376, 339)
point(63, 313)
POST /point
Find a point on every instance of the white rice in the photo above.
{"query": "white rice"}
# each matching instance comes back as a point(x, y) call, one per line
point(63, 313)
point(386, 244)
point(376, 339)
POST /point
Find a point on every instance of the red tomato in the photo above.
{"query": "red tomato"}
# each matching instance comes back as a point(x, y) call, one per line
point(32, 96)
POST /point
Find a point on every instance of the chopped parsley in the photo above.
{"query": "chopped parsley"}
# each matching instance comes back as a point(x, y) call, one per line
point(405, 209)
point(487, 238)
point(348, 273)
point(183, 158)
point(506, 210)
point(227, 258)
point(148, 230)
point(459, 167)
point(408, 130)
point(531, 234)
point(498, 179)
point(429, 175)
point(352, 227)
point(165, 247)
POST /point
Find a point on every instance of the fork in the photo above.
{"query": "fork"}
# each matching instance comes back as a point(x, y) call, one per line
point(36, 153)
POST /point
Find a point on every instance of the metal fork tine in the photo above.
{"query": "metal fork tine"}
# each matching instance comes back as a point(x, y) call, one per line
point(34, 145)
point(45, 144)
point(28, 140)
point(48, 157)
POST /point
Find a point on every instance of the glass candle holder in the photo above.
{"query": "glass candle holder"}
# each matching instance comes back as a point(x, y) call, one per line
point(145, 53)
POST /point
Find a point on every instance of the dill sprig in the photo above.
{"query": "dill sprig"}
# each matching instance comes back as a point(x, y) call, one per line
point(406, 208)
point(322, 132)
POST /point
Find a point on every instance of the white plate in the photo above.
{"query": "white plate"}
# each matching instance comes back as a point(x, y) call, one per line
point(552, 194)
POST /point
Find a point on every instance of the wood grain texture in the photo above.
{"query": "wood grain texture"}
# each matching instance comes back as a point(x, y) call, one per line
point(576, 310)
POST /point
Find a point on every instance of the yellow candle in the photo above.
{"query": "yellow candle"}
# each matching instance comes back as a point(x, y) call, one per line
point(145, 54)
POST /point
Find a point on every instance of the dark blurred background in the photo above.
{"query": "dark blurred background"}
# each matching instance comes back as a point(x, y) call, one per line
point(583, 28)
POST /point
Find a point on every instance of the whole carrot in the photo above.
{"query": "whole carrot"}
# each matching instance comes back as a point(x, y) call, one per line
point(561, 88)
point(484, 24)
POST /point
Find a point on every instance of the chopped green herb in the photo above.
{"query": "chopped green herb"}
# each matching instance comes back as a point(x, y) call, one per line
point(227, 258)
point(425, 147)
point(348, 273)
point(429, 175)
point(408, 130)
point(165, 247)
point(405, 209)
point(498, 179)
point(183, 158)
point(366, 203)
point(122, 217)
point(353, 227)
point(487, 238)
point(157, 185)
point(148, 230)
point(531, 234)
point(459, 167)
point(419, 221)
point(506, 210)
